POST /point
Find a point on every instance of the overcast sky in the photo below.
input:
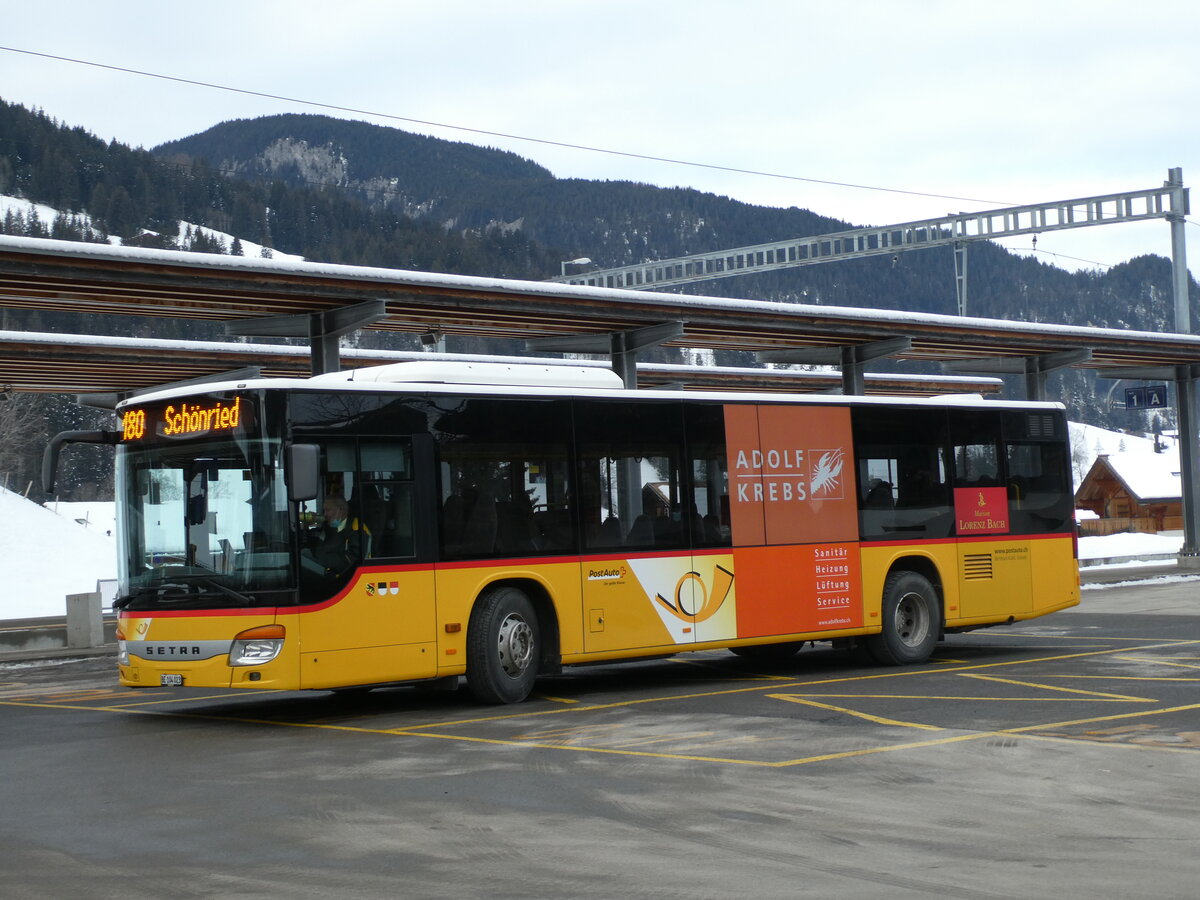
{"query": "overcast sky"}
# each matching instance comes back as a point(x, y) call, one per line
point(1007, 103)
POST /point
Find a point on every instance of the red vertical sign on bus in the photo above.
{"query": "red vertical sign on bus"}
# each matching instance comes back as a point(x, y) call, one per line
point(981, 510)
point(794, 518)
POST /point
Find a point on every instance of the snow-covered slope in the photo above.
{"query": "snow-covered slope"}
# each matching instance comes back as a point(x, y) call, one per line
point(46, 555)
point(182, 238)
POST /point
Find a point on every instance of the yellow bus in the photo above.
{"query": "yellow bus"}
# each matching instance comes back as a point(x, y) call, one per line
point(425, 521)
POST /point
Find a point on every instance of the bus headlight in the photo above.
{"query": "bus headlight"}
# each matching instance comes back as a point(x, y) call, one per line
point(256, 646)
point(122, 649)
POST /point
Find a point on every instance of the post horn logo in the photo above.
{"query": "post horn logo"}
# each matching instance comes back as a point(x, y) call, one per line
point(694, 602)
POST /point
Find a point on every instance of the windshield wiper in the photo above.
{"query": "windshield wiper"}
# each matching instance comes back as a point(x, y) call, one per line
point(179, 587)
point(224, 589)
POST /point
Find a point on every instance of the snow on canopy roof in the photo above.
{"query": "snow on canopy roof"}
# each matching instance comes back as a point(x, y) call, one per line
point(683, 302)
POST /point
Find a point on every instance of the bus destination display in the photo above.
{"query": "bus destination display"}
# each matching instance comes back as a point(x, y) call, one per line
point(181, 420)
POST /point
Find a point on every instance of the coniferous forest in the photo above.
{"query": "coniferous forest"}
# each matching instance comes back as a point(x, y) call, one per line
point(355, 193)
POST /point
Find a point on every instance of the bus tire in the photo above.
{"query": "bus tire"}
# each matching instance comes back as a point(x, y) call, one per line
point(911, 621)
point(503, 645)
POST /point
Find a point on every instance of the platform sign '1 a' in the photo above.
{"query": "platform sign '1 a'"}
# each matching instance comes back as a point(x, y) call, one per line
point(1150, 396)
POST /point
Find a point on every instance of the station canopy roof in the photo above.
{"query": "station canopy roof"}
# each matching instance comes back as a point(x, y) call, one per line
point(66, 363)
point(101, 279)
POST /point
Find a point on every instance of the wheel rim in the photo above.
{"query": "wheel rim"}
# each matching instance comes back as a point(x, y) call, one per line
point(912, 619)
point(515, 645)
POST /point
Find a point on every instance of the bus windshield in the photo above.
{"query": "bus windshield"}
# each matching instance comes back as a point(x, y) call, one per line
point(203, 524)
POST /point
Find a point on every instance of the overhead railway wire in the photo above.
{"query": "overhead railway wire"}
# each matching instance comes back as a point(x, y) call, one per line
point(501, 134)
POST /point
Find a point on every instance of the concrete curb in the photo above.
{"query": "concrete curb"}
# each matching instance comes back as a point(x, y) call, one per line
point(50, 638)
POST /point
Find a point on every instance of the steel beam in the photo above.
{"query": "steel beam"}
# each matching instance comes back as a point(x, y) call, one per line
point(1034, 218)
point(852, 359)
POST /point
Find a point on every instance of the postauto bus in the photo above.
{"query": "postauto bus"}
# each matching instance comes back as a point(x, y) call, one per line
point(429, 520)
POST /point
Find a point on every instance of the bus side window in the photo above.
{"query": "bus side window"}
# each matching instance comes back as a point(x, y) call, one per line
point(504, 478)
point(903, 473)
point(708, 509)
point(631, 475)
point(386, 489)
point(976, 465)
point(1038, 482)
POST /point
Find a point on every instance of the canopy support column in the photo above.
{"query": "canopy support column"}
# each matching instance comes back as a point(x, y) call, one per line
point(621, 346)
point(323, 329)
point(1034, 368)
point(852, 359)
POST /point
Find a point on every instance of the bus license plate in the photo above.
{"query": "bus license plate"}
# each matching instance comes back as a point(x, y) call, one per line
point(170, 680)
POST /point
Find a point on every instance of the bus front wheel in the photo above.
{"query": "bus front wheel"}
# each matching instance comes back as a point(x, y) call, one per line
point(911, 621)
point(502, 646)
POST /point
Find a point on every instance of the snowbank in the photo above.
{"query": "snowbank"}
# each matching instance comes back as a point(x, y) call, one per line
point(1115, 546)
point(46, 555)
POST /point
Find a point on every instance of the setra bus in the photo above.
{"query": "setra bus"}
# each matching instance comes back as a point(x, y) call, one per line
point(428, 520)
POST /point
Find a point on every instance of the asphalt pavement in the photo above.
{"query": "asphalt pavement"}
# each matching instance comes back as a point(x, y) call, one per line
point(1055, 758)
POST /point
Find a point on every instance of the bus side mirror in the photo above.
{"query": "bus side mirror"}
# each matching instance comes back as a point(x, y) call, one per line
point(303, 472)
point(52, 449)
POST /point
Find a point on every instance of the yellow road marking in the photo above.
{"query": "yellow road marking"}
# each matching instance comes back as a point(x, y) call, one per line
point(908, 673)
point(1088, 721)
point(225, 696)
point(975, 697)
point(704, 664)
point(418, 730)
point(1096, 695)
point(1069, 637)
point(880, 720)
point(1125, 677)
point(850, 754)
point(554, 699)
point(1159, 661)
point(80, 696)
point(666, 739)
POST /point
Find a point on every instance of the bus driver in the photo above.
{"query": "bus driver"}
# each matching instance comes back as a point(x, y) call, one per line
point(338, 541)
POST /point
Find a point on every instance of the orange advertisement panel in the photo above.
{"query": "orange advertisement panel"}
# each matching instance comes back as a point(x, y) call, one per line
point(791, 474)
point(745, 489)
point(785, 590)
point(981, 510)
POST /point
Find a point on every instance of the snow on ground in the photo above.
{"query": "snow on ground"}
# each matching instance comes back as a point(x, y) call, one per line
point(1115, 546)
point(46, 555)
point(46, 214)
point(249, 248)
point(100, 516)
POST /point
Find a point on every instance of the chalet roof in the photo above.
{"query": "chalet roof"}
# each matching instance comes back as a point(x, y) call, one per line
point(1146, 475)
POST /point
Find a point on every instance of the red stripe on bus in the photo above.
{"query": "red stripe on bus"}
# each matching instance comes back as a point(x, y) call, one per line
point(973, 539)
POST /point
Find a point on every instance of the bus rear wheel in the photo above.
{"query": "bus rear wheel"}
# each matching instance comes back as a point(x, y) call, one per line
point(911, 621)
point(503, 645)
